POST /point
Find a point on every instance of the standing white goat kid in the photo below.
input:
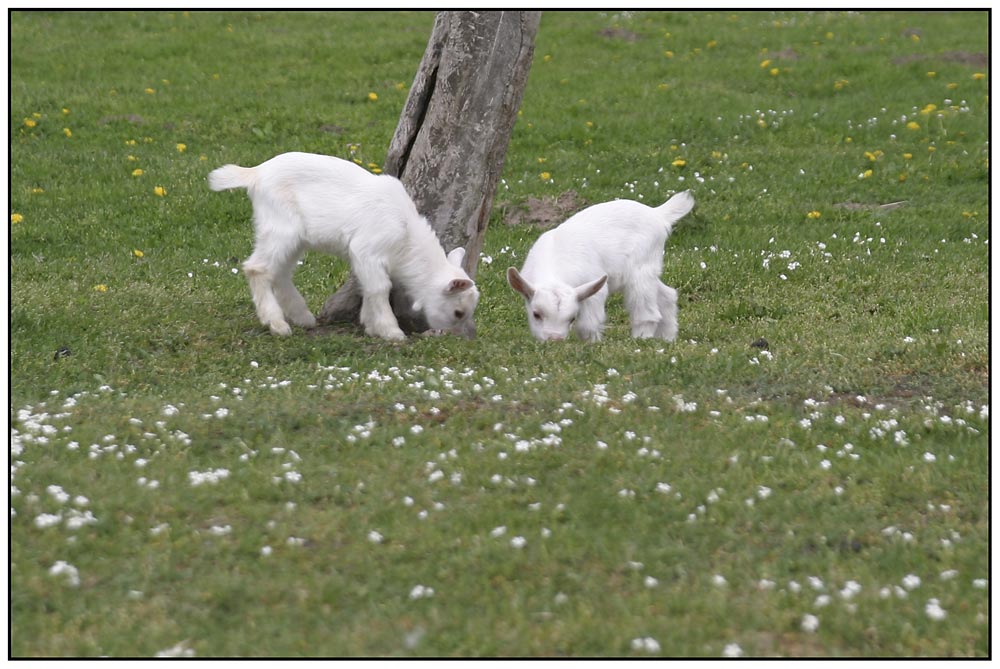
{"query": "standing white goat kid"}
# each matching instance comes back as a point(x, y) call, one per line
point(607, 248)
point(304, 201)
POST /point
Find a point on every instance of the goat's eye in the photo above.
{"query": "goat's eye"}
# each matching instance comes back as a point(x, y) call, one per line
point(459, 314)
point(537, 315)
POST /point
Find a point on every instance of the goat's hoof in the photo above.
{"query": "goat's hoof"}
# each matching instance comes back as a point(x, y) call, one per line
point(281, 329)
point(307, 322)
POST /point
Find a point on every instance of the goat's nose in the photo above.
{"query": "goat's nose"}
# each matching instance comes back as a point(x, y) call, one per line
point(554, 337)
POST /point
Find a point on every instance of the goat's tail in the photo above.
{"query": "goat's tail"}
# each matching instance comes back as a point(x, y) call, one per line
point(676, 208)
point(228, 177)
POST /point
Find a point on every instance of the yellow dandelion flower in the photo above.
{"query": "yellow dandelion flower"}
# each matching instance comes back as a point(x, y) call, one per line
point(929, 109)
point(712, 44)
point(137, 253)
point(30, 122)
point(67, 132)
point(932, 74)
point(159, 191)
point(544, 176)
point(679, 162)
point(130, 142)
point(952, 86)
point(37, 191)
point(663, 87)
point(203, 157)
point(150, 91)
point(932, 149)
point(541, 160)
point(907, 156)
point(813, 214)
point(867, 174)
point(101, 288)
point(65, 110)
point(590, 124)
point(36, 114)
point(131, 159)
point(839, 84)
point(829, 35)
point(373, 96)
point(871, 156)
point(902, 177)
point(377, 170)
point(774, 71)
point(546, 58)
point(915, 37)
point(16, 218)
point(668, 54)
point(400, 86)
point(765, 63)
point(979, 76)
point(913, 125)
point(137, 172)
point(970, 214)
point(848, 140)
point(181, 148)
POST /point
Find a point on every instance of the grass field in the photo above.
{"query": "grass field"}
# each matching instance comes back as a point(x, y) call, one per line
point(183, 483)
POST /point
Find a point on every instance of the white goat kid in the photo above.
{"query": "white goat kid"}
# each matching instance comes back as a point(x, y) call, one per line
point(304, 201)
point(607, 248)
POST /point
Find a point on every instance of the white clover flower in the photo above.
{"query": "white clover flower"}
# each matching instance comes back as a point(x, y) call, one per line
point(421, 592)
point(810, 623)
point(647, 644)
point(61, 568)
point(934, 610)
point(719, 581)
point(375, 537)
point(911, 581)
point(518, 542)
point(732, 650)
point(498, 531)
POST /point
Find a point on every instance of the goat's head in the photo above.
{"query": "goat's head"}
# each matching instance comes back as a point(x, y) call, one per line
point(553, 307)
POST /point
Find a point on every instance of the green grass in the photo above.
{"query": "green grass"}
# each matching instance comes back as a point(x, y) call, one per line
point(854, 451)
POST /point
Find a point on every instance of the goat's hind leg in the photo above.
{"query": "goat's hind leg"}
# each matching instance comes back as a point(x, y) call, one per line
point(292, 303)
point(666, 329)
point(642, 304)
point(260, 276)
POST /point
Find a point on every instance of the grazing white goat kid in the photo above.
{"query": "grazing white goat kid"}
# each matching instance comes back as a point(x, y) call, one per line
point(607, 248)
point(304, 201)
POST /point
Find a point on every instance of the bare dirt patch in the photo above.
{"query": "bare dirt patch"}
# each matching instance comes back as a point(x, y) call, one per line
point(619, 33)
point(964, 57)
point(545, 211)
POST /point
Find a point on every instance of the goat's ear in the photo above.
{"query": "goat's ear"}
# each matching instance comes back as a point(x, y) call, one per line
point(518, 283)
point(458, 285)
point(457, 256)
point(586, 290)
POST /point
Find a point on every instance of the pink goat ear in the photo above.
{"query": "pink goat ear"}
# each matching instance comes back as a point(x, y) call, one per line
point(458, 285)
point(518, 283)
point(588, 289)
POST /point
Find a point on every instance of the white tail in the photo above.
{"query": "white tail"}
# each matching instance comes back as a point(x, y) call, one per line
point(228, 177)
point(676, 208)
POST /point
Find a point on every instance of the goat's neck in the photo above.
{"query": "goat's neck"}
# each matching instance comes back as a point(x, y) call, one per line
point(422, 258)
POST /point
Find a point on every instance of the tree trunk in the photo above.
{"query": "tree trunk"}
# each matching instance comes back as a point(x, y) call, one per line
point(452, 137)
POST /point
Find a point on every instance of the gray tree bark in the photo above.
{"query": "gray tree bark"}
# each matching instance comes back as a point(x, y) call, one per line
point(452, 137)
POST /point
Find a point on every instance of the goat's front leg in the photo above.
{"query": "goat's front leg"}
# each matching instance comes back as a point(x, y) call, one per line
point(376, 310)
point(590, 320)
